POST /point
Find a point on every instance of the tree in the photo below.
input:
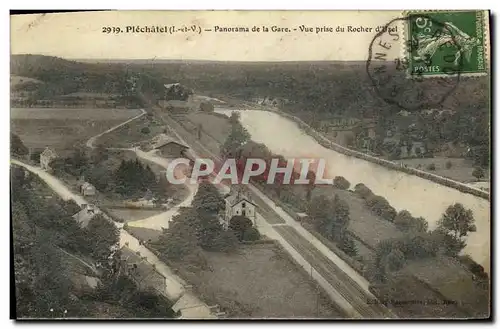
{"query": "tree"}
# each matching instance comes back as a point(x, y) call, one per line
point(431, 167)
point(341, 183)
point(145, 130)
point(348, 245)
point(448, 164)
point(402, 220)
point(394, 260)
point(251, 234)
point(210, 229)
point(240, 224)
point(180, 239)
point(319, 212)
point(17, 146)
point(478, 173)
point(103, 236)
point(234, 118)
point(418, 152)
point(457, 222)
point(407, 223)
point(363, 191)
point(237, 137)
point(35, 156)
point(340, 212)
point(208, 198)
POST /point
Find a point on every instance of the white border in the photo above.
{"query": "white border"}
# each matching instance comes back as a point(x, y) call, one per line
point(196, 5)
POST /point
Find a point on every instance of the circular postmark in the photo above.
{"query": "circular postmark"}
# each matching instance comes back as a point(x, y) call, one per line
point(419, 73)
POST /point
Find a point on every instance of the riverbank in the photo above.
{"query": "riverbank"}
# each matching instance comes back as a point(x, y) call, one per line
point(325, 142)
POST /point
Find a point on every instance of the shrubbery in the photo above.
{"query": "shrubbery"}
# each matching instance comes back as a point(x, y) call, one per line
point(381, 207)
point(362, 190)
point(251, 234)
point(341, 183)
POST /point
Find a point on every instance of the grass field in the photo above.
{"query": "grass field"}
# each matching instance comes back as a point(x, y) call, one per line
point(61, 129)
point(131, 133)
point(260, 281)
point(461, 169)
point(128, 215)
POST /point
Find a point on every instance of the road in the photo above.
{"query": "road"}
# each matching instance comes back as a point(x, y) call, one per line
point(344, 285)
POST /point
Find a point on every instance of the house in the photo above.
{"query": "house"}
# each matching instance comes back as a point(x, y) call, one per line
point(168, 147)
point(87, 189)
point(46, 157)
point(84, 216)
point(239, 204)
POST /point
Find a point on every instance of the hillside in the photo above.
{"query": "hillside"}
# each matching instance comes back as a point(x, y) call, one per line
point(314, 90)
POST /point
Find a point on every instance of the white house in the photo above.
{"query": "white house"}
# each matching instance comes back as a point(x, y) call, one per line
point(46, 157)
point(238, 204)
point(87, 189)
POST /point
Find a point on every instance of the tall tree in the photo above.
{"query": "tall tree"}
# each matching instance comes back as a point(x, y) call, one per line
point(457, 222)
point(17, 146)
point(103, 236)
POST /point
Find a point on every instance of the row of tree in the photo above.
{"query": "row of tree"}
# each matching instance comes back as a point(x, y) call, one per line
point(419, 242)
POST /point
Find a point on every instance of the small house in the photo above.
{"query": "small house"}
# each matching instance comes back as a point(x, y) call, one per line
point(239, 204)
point(84, 216)
point(171, 148)
point(87, 189)
point(46, 157)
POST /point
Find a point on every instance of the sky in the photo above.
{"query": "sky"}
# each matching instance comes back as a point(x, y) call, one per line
point(80, 35)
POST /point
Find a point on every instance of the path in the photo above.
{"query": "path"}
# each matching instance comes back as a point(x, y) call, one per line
point(175, 287)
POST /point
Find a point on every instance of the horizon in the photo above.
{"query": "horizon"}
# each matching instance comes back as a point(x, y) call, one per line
point(96, 60)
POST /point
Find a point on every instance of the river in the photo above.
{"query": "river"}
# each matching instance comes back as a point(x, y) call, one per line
point(419, 196)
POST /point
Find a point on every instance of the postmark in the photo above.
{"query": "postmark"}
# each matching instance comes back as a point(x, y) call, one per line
point(393, 74)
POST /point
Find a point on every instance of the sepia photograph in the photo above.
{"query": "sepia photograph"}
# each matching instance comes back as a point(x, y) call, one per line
point(237, 165)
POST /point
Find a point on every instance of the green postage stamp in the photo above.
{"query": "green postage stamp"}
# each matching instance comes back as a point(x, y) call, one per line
point(443, 43)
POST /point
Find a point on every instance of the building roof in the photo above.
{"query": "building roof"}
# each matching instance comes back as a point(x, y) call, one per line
point(84, 216)
point(164, 140)
point(235, 198)
point(170, 85)
point(87, 185)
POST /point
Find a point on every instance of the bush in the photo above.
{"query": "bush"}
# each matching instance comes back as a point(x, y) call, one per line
point(348, 245)
point(431, 167)
point(251, 234)
point(239, 225)
point(406, 222)
point(381, 207)
point(478, 173)
point(341, 183)
point(394, 260)
point(363, 191)
point(448, 164)
point(145, 130)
